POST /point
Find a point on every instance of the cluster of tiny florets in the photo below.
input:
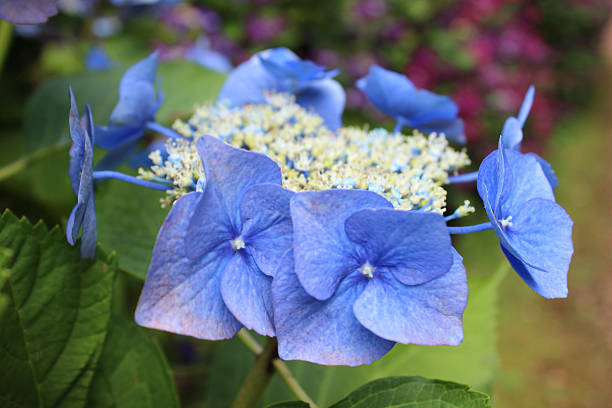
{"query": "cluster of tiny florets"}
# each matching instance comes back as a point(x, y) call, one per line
point(408, 170)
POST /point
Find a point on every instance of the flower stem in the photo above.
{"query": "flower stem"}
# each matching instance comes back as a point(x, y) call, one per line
point(463, 178)
point(280, 367)
point(100, 175)
point(6, 33)
point(470, 228)
point(169, 133)
point(258, 378)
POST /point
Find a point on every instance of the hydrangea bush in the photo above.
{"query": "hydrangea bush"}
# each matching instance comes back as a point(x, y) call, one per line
point(336, 242)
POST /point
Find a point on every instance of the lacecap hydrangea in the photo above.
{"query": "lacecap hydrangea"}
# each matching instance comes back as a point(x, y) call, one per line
point(334, 239)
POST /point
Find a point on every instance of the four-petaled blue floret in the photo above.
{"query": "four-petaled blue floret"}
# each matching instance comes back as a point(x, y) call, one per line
point(395, 95)
point(280, 70)
point(216, 253)
point(363, 276)
point(135, 110)
point(83, 215)
point(535, 232)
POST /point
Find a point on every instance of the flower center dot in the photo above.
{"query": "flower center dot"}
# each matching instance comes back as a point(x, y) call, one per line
point(367, 270)
point(237, 244)
point(506, 222)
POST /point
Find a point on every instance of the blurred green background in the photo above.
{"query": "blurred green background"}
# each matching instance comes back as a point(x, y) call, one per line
point(482, 53)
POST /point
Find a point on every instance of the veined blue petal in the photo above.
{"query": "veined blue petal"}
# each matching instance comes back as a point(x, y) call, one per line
point(547, 169)
point(323, 253)
point(267, 230)
point(137, 99)
point(247, 294)
point(544, 283)
point(422, 106)
point(326, 97)
point(541, 236)
point(414, 246)
point(322, 332)
point(247, 83)
point(512, 133)
point(181, 294)
point(111, 137)
point(386, 89)
point(229, 173)
point(89, 234)
point(77, 149)
point(427, 314)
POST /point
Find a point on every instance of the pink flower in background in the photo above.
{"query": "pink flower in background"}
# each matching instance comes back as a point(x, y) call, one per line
point(367, 10)
point(263, 29)
point(424, 68)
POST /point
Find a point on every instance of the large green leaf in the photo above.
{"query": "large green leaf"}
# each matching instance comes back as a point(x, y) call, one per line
point(46, 115)
point(54, 326)
point(132, 371)
point(129, 218)
point(414, 392)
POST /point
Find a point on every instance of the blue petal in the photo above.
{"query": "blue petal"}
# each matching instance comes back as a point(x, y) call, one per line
point(526, 105)
point(414, 245)
point(98, 60)
point(247, 294)
point(528, 181)
point(275, 61)
point(547, 169)
point(512, 133)
point(423, 106)
point(453, 129)
point(322, 332)
point(27, 12)
point(266, 230)
point(326, 97)
point(137, 100)
point(229, 173)
point(112, 137)
point(247, 83)
point(427, 314)
point(323, 253)
point(546, 284)
point(89, 235)
point(118, 155)
point(183, 295)
point(386, 90)
point(77, 149)
point(541, 236)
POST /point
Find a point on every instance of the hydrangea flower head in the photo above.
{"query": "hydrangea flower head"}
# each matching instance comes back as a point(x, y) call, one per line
point(395, 95)
point(363, 276)
point(280, 70)
point(216, 253)
point(535, 232)
point(27, 12)
point(137, 105)
point(83, 215)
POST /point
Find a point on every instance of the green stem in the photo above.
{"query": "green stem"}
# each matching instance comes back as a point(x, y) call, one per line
point(15, 167)
point(6, 33)
point(258, 378)
point(280, 367)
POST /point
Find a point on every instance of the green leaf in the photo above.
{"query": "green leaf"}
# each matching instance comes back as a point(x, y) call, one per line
point(46, 114)
point(53, 329)
point(132, 371)
point(289, 404)
point(473, 362)
point(129, 218)
point(414, 392)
